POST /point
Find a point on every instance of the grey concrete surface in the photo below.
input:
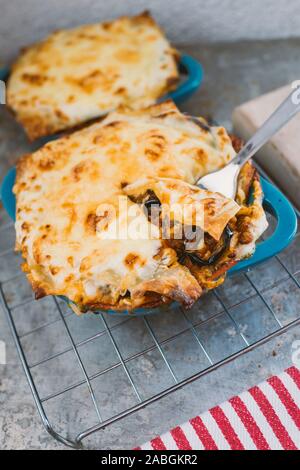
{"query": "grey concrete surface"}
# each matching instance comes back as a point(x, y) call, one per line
point(185, 21)
point(233, 73)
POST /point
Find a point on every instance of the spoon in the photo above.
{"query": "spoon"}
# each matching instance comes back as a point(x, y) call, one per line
point(224, 181)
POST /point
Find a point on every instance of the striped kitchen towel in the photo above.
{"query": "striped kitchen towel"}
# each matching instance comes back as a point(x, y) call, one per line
point(266, 417)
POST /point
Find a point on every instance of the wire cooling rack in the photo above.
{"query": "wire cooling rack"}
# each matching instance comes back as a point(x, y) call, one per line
point(99, 369)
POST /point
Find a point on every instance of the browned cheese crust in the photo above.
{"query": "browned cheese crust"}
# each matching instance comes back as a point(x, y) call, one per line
point(66, 241)
point(77, 75)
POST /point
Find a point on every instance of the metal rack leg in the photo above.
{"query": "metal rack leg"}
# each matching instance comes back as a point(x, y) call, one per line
point(49, 428)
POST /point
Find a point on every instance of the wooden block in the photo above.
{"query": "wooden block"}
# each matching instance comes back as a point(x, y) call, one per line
point(280, 157)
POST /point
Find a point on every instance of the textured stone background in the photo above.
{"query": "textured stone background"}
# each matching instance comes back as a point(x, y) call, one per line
point(186, 21)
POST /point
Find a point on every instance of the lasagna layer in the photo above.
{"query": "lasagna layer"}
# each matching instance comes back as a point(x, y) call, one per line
point(81, 223)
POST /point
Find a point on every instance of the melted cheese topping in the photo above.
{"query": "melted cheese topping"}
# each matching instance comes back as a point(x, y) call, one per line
point(188, 205)
point(83, 73)
point(60, 188)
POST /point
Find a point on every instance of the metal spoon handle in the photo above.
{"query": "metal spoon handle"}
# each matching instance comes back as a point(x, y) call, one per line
point(286, 110)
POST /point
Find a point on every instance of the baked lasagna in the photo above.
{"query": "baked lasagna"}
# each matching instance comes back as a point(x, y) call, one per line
point(87, 202)
point(77, 75)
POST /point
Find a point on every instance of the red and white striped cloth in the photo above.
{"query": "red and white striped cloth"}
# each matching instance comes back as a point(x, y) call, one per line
point(266, 417)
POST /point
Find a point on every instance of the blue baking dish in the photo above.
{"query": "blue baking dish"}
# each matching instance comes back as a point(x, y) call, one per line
point(4, 72)
point(274, 202)
point(191, 72)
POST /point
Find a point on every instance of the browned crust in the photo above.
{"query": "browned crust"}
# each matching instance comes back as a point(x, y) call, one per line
point(201, 279)
point(39, 124)
point(150, 300)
